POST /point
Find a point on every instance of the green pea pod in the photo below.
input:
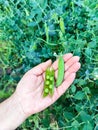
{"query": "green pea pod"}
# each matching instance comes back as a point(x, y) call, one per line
point(47, 32)
point(49, 82)
point(45, 93)
point(51, 86)
point(62, 27)
point(61, 68)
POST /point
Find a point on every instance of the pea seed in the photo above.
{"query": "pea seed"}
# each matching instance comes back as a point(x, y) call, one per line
point(47, 82)
point(47, 77)
point(46, 90)
point(51, 78)
point(50, 86)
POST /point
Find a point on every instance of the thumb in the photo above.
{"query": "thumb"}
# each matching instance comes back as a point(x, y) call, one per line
point(39, 69)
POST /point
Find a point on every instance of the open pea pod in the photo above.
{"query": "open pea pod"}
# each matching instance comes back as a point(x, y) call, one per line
point(49, 82)
point(51, 86)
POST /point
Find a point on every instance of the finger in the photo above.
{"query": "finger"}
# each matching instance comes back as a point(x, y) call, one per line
point(71, 61)
point(73, 69)
point(43, 76)
point(69, 80)
point(55, 64)
point(65, 57)
point(39, 69)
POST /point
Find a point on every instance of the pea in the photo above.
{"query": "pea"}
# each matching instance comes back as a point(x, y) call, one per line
point(47, 77)
point(46, 90)
point(50, 86)
point(47, 82)
point(51, 78)
point(61, 68)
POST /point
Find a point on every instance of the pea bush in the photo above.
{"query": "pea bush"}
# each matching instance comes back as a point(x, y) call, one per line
point(32, 31)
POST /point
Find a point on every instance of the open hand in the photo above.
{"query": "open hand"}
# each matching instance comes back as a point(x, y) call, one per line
point(30, 88)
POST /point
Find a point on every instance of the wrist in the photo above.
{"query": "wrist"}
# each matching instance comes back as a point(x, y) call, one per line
point(18, 106)
point(20, 115)
point(11, 113)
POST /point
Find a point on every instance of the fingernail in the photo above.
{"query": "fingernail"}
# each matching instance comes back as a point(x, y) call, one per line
point(71, 54)
point(49, 61)
point(78, 57)
point(73, 74)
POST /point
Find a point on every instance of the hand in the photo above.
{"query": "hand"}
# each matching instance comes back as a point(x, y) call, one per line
point(30, 89)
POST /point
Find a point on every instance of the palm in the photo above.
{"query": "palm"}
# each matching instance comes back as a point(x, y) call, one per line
point(30, 88)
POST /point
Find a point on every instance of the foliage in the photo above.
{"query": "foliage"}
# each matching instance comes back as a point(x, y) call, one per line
point(30, 33)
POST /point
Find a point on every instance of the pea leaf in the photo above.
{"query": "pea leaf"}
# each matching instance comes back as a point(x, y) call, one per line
point(79, 95)
point(75, 124)
point(85, 117)
point(88, 126)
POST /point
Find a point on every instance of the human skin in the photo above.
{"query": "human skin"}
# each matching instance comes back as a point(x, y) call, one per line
point(28, 97)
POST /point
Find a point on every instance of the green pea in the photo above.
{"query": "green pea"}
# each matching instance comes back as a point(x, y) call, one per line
point(51, 78)
point(47, 82)
point(46, 90)
point(50, 86)
point(61, 68)
point(47, 77)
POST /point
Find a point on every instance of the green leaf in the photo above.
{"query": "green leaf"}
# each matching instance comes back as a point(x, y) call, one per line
point(88, 51)
point(79, 95)
point(85, 117)
point(73, 128)
point(75, 123)
point(86, 90)
point(68, 115)
point(88, 126)
point(73, 88)
point(81, 82)
point(77, 107)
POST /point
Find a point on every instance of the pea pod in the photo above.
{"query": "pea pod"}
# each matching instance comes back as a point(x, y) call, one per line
point(47, 32)
point(49, 82)
point(61, 68)
point(62, 27)
point(51, 85)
